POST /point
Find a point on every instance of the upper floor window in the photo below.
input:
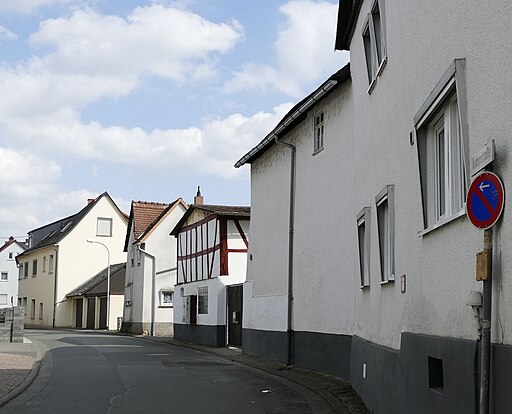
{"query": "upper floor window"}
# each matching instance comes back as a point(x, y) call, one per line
point(104, 227)
point(20, 268)
point(50, 264)
point(25, 268)
point(4, 276)
point(318, 144)
point(44, 263)
point(11, 255)
point(363, 238)
point(166, 297)
point(384, 203)
point(442, 149)
point(374, 41)
point(34, 268)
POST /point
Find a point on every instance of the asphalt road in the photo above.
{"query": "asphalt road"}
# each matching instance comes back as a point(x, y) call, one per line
point(85, 372)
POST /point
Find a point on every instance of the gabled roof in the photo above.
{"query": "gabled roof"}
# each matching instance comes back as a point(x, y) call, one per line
point(348, 11)
point(116, 271)
point(296, 115)
point(231, 211)
point(145, 216)
point(12, 241)
point(61, 228)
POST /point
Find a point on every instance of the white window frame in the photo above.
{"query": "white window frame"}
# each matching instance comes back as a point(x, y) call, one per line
point(45, 259)
point(6, 296)
point(202, 300)
point(444, 173)
point(374, 35)
point(163, 303)
point(100, 231)
point(32, 309)
point(385, 212)
point(128, 295)
point(363, 243)
point(11, 256)
point(20, 272)
point(34, 268)
point(318, 135)
point(2, 279)
point(50, 264)
point(25, 269)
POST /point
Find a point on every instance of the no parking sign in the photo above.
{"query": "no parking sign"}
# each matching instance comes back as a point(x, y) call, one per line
point(485, 199)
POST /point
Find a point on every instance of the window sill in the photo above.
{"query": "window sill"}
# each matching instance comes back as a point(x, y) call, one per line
point(387, 282)
point(442, 223)
point(166, 306)
point(365, 287)
point(372, 85)
point(318, 150)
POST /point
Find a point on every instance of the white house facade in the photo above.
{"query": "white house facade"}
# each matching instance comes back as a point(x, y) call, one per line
point(373, 280)
point(151, 267)
point(212, 244)
point(59, 258)
point(9, 272)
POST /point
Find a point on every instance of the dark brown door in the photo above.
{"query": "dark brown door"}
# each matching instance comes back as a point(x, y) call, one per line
point(235, 296)
point(91, 312)
point(103, 313)
point(193, 309)
point(79, 312)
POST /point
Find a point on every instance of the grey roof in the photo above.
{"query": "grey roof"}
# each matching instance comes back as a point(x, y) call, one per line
point(348, 11)
point(96, 280)
point(296, 115)
point(59, 229)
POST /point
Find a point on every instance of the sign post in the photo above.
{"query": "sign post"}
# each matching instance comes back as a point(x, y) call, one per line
point(484, 205)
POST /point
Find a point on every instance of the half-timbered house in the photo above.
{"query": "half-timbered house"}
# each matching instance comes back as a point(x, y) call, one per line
point(212, 243)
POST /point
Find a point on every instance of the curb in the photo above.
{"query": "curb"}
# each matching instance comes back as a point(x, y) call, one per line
point(29, 379)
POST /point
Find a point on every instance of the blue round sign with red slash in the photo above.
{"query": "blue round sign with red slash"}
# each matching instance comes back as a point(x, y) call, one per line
point(485, 200)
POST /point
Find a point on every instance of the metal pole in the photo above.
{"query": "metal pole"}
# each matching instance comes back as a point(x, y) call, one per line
point(108, 288)
point(485, 360)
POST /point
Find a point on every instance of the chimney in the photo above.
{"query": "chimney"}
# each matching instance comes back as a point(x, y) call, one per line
point(198, 199)
point(11, 239)
point(90, 200)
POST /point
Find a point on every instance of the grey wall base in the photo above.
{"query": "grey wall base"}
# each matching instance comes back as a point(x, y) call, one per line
point(144, 328)
point(213, 335)
point(395, 381)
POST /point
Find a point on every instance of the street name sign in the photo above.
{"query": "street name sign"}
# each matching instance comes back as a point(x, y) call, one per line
point(483, 157)
point(485, 200)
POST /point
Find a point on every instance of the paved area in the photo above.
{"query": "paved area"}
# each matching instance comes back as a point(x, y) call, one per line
point(19, 365)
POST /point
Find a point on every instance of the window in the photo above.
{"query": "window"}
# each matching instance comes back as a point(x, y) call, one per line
point(24, 304)
point(33, 309)
point(318, 144)
point(20, 274)
point(50, 264)
point(384, 203)
point(40, 310)
point(3, 299)
point(132, 256)
point(34, 268)
point(441, 130)
point(4, 276)
point(374, 42)
point(202, 302)
point(104, 227)
point(128, 295)
point(44, 263)
point(166, 297)
point(25, 268)
point(19, 302)
point(11, 256)
point(363, 236)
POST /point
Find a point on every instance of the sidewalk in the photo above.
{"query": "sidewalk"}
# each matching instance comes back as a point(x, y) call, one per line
point(19, 363)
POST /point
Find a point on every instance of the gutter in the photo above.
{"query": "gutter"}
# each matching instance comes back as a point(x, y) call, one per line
point(286, 122)
point(290, 248)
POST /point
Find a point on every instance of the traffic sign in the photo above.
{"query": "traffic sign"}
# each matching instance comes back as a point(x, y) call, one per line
point(485, 200)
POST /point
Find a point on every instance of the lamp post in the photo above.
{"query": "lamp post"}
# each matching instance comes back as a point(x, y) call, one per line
point(108, 278)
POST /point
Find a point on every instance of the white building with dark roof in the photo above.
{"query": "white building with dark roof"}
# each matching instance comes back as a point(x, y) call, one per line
point(9, 271)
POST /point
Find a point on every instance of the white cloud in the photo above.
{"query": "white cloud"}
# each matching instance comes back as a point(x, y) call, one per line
point(211, 148)
point(304, 51)
point(7, 34)
point(26, 6)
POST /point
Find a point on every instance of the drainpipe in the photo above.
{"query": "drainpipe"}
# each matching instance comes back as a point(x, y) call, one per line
point(55, 267)
point(153, 284)
point(290, 248)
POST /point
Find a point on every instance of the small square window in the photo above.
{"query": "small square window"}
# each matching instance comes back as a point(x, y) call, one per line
point(363, 236)
point(319, 133)
point(4, 276)
point(166, 298)
point(202, 300)
point(3, 299)
point(104, 227)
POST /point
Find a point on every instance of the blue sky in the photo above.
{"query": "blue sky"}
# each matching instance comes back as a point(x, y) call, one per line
point(146, 99)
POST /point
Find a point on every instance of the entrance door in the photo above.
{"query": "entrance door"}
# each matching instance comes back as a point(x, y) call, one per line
point(235, 296)
point(103, 313)
point(91, 312)
point(79, 312)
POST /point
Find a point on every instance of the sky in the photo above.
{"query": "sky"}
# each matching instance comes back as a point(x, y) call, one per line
point(146, 99)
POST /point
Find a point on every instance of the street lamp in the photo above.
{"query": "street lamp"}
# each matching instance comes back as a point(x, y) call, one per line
point(108, 277)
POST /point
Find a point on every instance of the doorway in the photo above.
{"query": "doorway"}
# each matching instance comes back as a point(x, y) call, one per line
point(235, 302)
point(91, 313)
point(79, 312)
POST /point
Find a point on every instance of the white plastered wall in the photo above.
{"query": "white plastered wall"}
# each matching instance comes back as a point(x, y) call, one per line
point(10, 286)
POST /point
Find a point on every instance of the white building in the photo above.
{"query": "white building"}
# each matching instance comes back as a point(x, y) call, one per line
point(382, 258)
point(59, 259)
point(9, 272)
point(151, 267)
point(212, 246)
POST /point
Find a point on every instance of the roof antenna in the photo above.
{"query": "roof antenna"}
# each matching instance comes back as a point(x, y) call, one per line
point(198, 199)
